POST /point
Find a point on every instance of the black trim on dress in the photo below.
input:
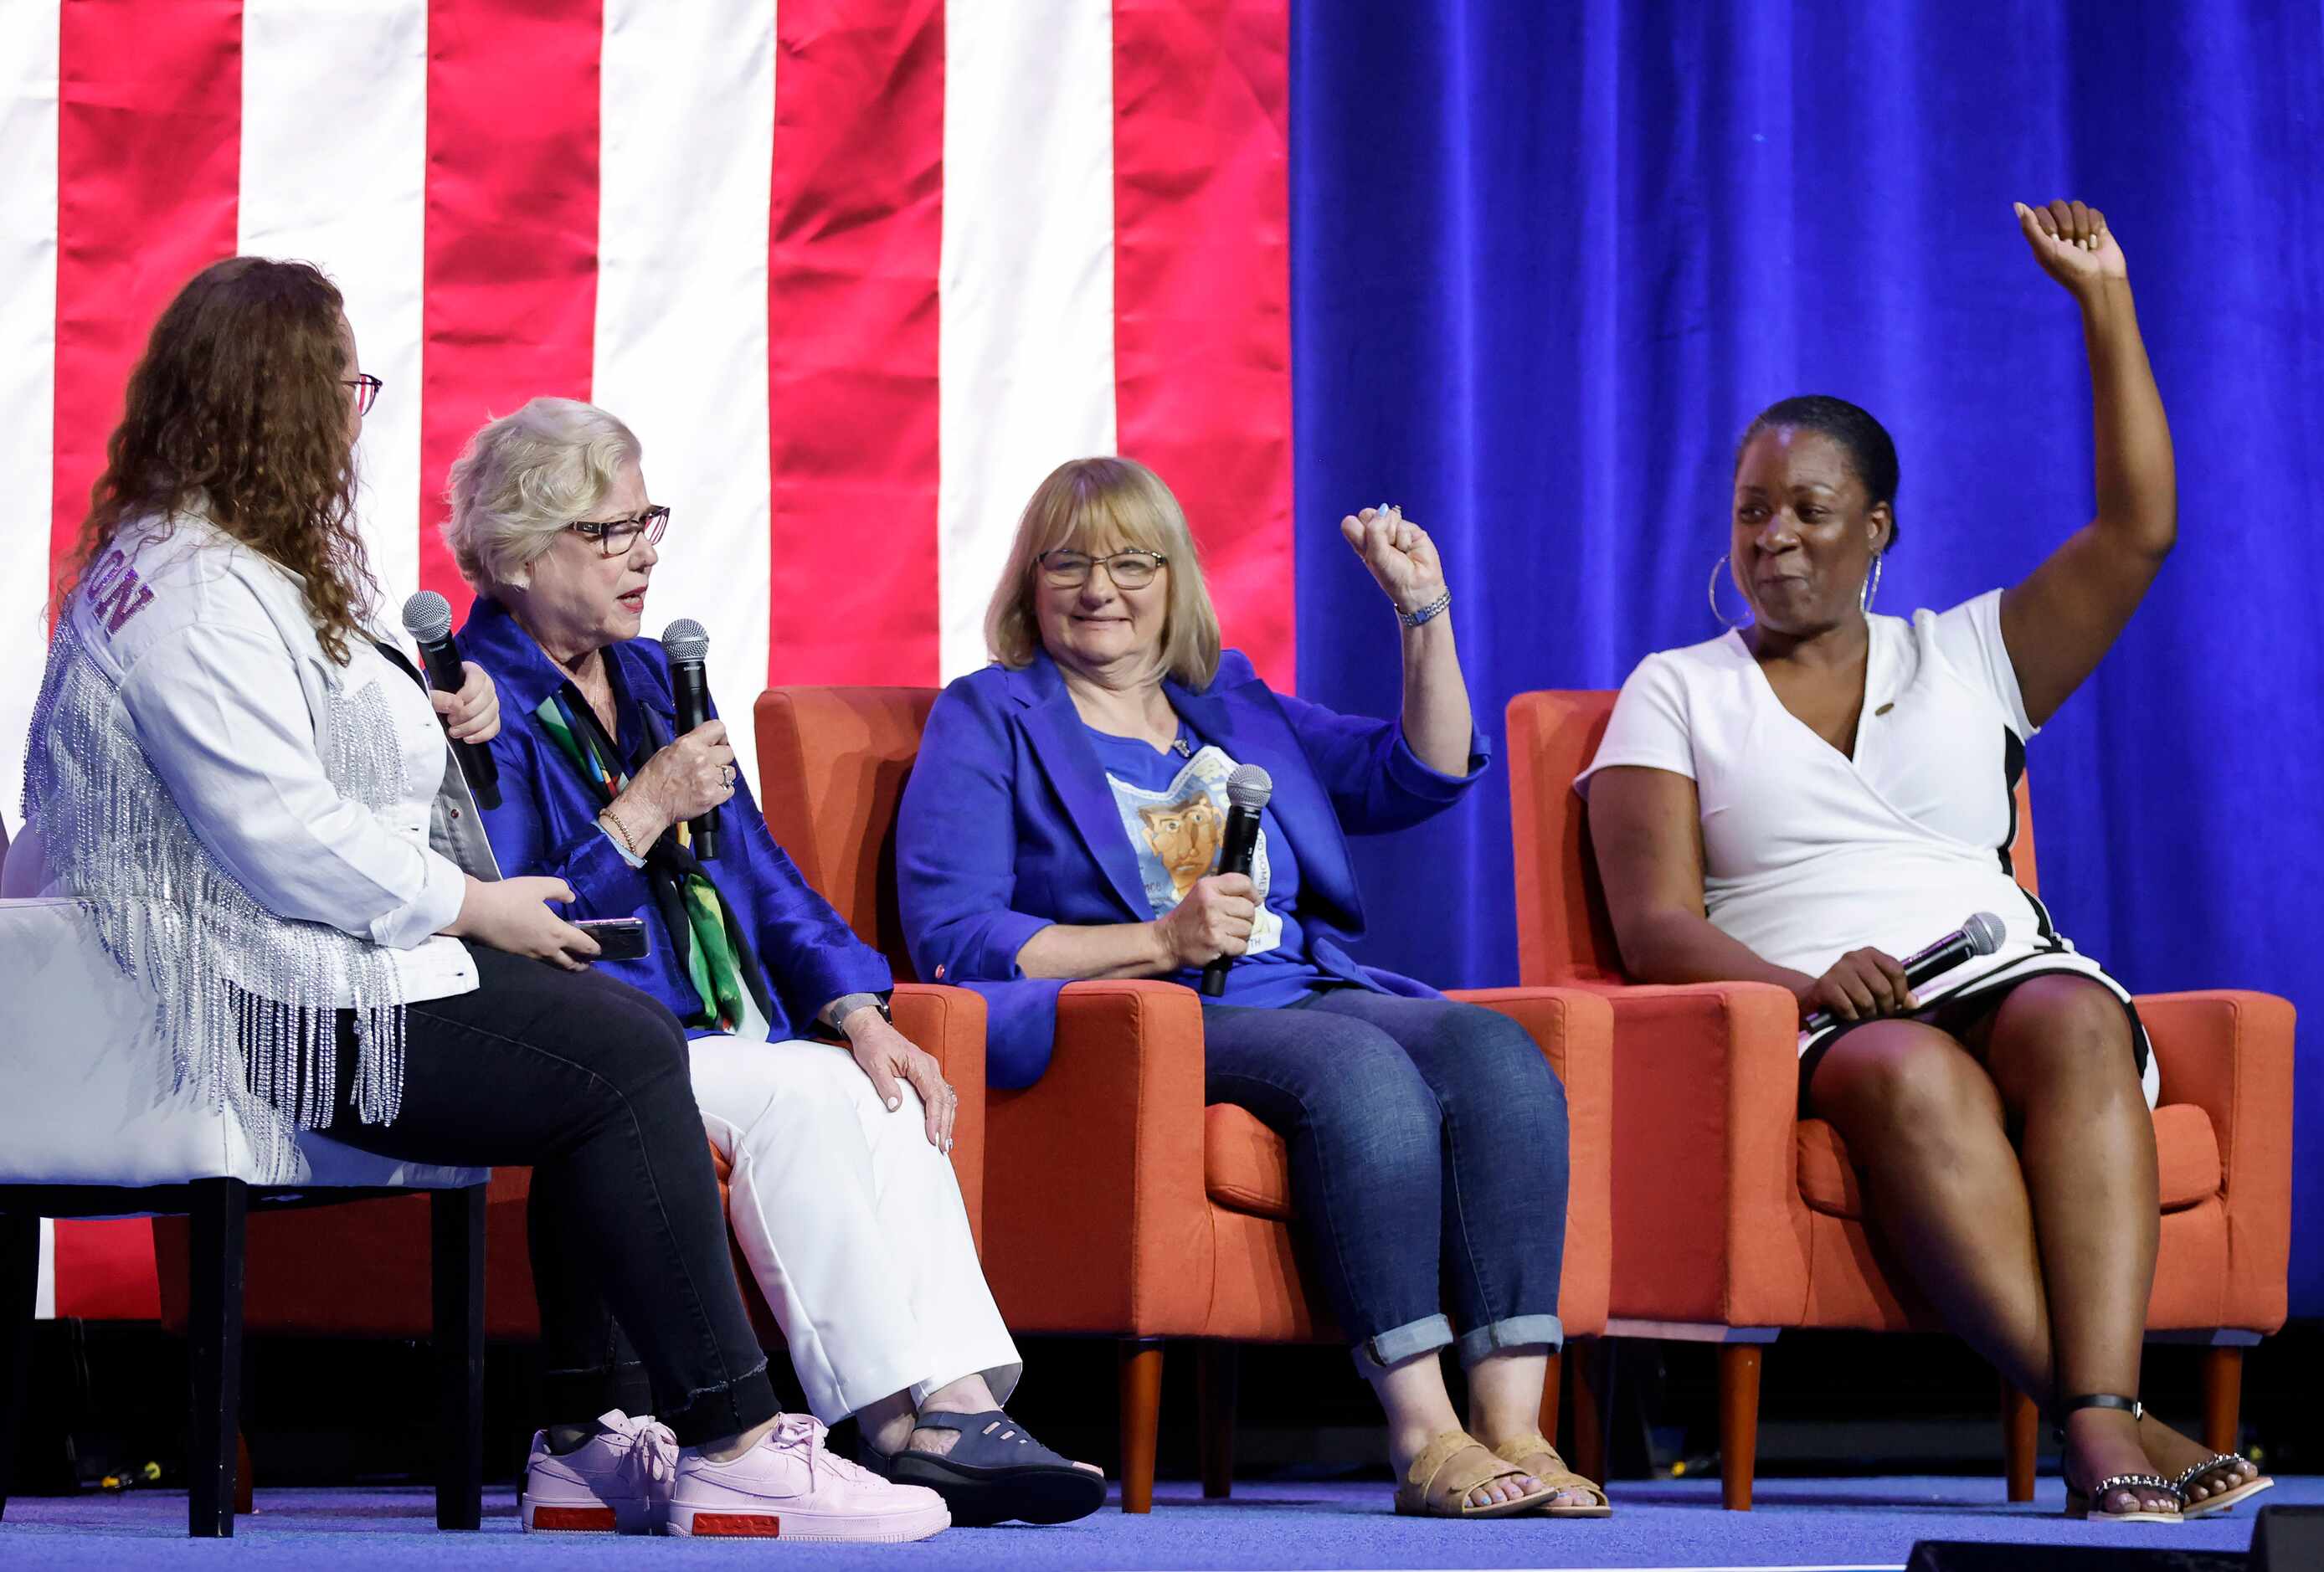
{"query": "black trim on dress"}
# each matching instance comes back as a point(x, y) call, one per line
point(1958, 1013)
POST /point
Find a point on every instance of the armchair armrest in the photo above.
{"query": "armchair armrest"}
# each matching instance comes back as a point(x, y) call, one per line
point(1096, 1220)
point(2229, 1054)
point(1574, 1029)
point(1709, 1227)
point(949, 1024)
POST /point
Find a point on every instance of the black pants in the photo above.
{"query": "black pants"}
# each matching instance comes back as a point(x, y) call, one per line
point(585, 1079)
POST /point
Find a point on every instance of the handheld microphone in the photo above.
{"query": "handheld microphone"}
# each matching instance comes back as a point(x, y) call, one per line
point(1247, 789)
point(428, 618)
point(1981, 935)
point(686, 644)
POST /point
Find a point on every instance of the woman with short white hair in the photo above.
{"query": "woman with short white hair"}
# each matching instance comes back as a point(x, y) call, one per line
point(837, 1129)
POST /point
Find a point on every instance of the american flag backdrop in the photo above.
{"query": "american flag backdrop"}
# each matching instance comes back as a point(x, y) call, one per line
point(859, 272)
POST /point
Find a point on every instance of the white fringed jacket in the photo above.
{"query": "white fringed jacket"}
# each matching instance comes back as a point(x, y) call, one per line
point(249, 822)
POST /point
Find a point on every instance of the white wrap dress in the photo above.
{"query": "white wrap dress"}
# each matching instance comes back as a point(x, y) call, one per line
point(1809, 853)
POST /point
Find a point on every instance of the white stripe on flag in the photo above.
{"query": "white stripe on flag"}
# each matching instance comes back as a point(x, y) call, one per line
point(334, 171)
point(28, 363)
point(685, 148)
point(44, 1294)
point(1026, 283)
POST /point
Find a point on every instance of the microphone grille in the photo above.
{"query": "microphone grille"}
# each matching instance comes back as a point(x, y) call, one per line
point(1249, 787)
point(684, 640)
point(1985, 933)
point(427, 617)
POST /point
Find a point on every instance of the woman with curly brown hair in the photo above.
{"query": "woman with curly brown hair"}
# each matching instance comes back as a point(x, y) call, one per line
point(239, 778)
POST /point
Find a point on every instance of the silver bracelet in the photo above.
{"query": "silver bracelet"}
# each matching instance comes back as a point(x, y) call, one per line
point(1427, 613)
point(835, 1013)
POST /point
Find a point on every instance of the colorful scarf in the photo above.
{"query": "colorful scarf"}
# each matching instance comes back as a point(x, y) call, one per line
point(718, 959)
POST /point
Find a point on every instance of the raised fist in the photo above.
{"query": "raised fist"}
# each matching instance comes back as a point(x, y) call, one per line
point(2072, 243)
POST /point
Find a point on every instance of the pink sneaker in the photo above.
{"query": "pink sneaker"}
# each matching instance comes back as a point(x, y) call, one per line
point(615, 1482)
point(791, 1487)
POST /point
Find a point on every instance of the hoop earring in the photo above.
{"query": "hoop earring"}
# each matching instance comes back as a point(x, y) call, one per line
point(1871, 590)
point(1718, 569)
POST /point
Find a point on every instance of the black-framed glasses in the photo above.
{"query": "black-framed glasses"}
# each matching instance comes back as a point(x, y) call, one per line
point(366, 387)
point(615, 537)
point(1128, 570)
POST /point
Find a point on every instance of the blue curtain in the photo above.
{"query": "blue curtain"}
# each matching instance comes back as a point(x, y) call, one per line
point(1548, 259)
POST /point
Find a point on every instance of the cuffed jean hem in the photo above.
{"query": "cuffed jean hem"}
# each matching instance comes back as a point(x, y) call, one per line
point(1397, 1344)
point(1516, 1332)
point(575, 1397)
point(716, 1411)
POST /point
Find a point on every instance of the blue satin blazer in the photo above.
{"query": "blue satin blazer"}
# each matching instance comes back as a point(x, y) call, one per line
point(1008, 825)
point(547, 823)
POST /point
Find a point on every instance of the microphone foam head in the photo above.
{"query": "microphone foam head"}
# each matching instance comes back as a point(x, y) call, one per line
point(685, 640)
point(427, 617)
point(1249, 787)
point(1985, 933)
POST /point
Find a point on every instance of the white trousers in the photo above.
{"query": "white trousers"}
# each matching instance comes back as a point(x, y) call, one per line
point(853, 1223)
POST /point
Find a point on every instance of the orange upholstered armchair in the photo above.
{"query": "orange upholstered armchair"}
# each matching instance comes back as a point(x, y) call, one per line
point(1734, 1219)
point(1176, 1220)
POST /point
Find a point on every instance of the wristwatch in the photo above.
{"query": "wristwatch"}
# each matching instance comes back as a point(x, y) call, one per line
point(835, 1013)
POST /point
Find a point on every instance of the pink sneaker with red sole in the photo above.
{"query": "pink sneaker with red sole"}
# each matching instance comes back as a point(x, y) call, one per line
point(791, 1487)
point(617, 1482)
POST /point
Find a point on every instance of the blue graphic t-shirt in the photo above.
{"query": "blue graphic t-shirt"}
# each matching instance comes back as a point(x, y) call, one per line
point(1173, 814)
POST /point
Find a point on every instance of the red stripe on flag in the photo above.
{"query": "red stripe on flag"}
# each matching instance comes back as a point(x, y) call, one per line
point(1202, 290)
point(149, 152)
point(511, 249)
point(853, 242)
point(105, 1270)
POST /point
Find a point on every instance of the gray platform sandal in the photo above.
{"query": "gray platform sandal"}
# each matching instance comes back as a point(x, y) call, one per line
point(995, 1472)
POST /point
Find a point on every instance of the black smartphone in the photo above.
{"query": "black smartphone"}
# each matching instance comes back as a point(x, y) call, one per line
point(619, 938)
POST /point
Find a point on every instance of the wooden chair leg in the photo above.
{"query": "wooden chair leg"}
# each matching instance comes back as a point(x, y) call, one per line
point(1739, 1423)
point(2223, 1397)
point(1141, 1420)
point(245, 1499)
point(214, 1355)
point(20, 1286)
point(1217, 1366)
point(2020, 1437)
point(1585, 1365)
point(456, 1267)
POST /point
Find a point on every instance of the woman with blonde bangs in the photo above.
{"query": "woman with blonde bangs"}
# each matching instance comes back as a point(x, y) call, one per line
point(1062, 822)
point(1127, 504)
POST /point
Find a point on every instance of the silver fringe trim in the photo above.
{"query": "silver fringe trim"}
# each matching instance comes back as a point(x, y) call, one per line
point(247, 1001)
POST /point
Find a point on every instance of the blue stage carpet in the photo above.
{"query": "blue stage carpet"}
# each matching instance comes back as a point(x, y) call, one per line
point(1798, 1523)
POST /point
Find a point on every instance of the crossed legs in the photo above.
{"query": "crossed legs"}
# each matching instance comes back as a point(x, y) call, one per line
point(2014, 1173)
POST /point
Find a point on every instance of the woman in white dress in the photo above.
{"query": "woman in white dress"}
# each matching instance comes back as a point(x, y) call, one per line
point(1810, 796)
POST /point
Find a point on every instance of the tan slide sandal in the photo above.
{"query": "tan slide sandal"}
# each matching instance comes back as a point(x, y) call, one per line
point(1449, 1467)
point(1533, 1455)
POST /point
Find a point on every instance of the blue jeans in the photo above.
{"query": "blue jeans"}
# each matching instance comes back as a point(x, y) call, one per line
point(1427, 1144)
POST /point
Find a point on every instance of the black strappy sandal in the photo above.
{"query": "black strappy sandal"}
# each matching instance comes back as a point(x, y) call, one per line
point(2091, 1503)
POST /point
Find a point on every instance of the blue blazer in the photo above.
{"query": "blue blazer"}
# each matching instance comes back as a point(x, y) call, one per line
point(1008, 825)
point(547, 823)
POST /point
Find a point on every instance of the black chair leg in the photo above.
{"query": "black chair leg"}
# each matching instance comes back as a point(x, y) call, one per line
point(457, 1223)
point(20, 1285)
point(220, 1207)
